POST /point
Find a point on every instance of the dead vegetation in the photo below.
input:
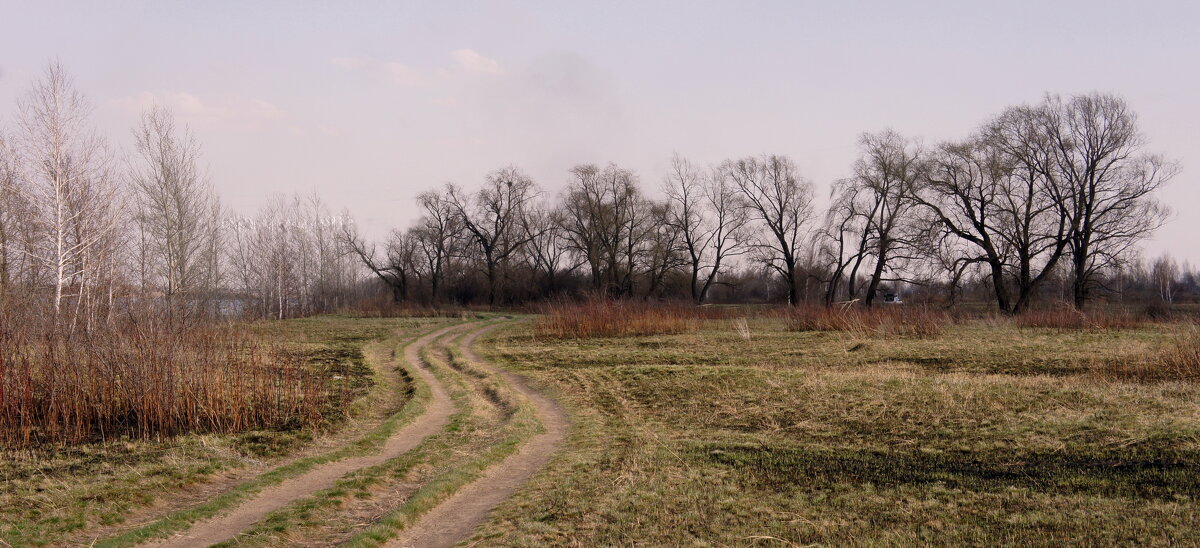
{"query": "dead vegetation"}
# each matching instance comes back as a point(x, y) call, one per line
point(151, 379)
point(990, 434)
point(1175, 359)
point(917, 322)
point(618, 318)
point(1064, 317)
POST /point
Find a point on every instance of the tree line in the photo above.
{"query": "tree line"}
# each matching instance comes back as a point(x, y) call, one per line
point(1040, 198)
point(1061, 189)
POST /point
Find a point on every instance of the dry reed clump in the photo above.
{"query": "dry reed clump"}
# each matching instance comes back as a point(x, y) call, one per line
point(919, 322)
point(617, 318)
point(742, 326)
point(150, 380)
point(1177, 359)
point(1069, 318)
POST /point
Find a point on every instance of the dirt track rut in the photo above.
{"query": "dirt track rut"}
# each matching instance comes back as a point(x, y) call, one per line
point(433, 420)
point(456, 518)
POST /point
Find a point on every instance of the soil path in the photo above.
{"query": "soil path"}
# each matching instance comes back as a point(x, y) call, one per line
point(433, 420)
point(456, 518)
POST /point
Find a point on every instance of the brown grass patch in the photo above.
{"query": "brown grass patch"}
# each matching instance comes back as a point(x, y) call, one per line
point(1177, 359)
point(910, 322)
point(1069, 318)
point(618, 318)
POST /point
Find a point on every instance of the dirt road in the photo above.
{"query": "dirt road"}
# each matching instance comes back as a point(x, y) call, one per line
point(433, 420)
point(455, 519)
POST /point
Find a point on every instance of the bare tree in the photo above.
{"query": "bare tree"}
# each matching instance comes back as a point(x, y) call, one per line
point(13, 218)
point(395, 268)
point(177, 210)
point(778, 197)
point(605, 219)
point(546, 251)
point(493, 218)
point(330, 270)
point(438, 236)
point(1164, 271)
point(890, 170)
point(710, 218)
point(1107, 180)
point(843, 240)
point(998, 194)
point(67, 183)
point(871, 211)
point(661, 249)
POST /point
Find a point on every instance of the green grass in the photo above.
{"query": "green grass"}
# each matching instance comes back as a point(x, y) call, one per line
point(51, 496)
point(988, 435)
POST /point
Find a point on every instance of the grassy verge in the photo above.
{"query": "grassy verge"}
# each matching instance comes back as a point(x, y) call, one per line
point(986, 435)
point(49, 499)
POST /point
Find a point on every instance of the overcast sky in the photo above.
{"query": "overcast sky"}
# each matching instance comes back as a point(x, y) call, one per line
point(370, 103)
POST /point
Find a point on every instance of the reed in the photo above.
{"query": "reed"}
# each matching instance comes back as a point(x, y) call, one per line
point(150, 379)
point(1175, 359)
point(599, 317)
point(1070, 318)
point(910, 322)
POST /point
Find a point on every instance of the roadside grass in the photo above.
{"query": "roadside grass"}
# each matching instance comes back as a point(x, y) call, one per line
point(64, 496)
point(989, 434)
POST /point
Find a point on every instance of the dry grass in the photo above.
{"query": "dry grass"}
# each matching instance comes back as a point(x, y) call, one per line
point(612, 318)
point(911, 322)
point(990, 435)
point(149, 379)
point(1176, 359)
point(1069, 318)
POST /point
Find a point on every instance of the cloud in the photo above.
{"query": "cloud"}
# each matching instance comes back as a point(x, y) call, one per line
point(472, 61)
point(236, 112)
point(402, 75)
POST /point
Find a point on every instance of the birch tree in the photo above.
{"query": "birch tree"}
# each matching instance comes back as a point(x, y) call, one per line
point(177, 210)
point(68, 185)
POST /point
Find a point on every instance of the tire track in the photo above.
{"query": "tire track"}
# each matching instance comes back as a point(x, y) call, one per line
point(456, 518)
point(433, 420)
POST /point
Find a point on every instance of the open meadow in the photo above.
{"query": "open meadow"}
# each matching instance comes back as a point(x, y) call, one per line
point(985, 434)
point(707, 427)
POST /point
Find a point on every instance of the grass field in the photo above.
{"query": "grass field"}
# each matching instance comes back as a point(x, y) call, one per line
point(48, 496)
point(721, 432)
point(985, 435)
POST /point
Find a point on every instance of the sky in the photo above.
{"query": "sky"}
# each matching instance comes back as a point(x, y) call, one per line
point(370, 103)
